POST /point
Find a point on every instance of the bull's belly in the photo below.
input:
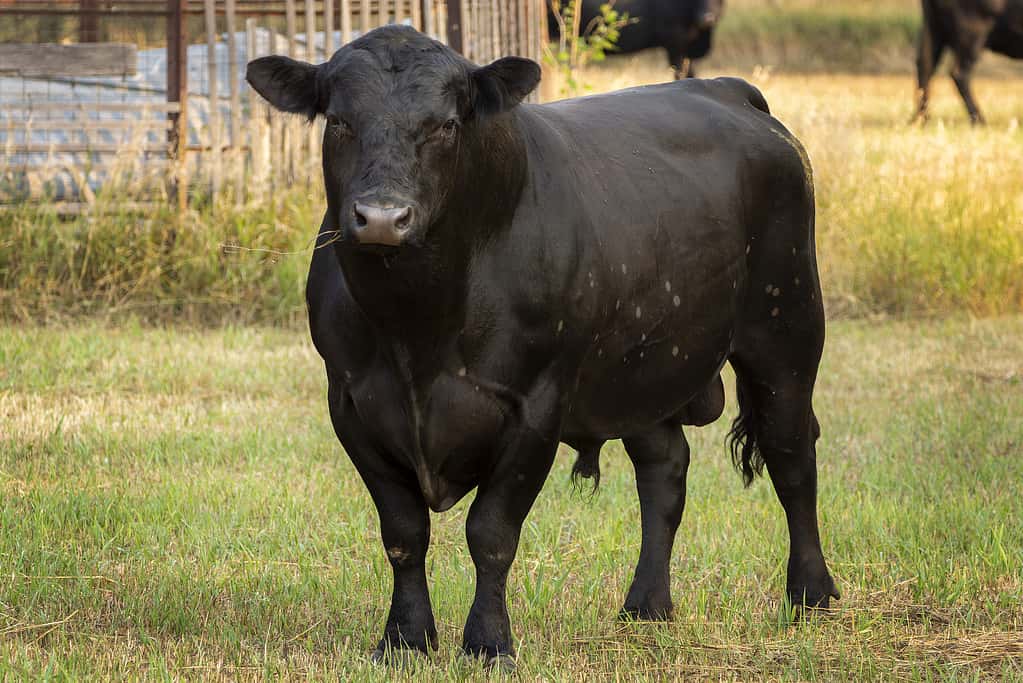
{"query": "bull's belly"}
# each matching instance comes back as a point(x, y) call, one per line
point(625, 389)
point(660, 347)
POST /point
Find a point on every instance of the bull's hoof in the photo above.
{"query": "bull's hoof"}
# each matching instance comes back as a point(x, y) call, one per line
point(504, 664)
point(808, 600)
point(398, 657)
point(646, 613)
point(500, 663)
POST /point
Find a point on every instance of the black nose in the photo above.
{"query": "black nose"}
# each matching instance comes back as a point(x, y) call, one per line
point(379, 225)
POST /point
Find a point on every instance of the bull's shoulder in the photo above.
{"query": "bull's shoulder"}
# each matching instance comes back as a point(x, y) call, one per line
point(338, 327)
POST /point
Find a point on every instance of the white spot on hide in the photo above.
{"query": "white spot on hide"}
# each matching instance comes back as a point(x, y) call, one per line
point(775, 312)
point(667, 285)
point(462, 371)
point(639, 312)
point(398, 554)
point(677, 301)
point(674, 350)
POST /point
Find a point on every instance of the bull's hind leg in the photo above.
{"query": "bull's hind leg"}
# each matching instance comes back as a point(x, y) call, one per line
point(661, 459)
point(775, 358)
point(962, 76)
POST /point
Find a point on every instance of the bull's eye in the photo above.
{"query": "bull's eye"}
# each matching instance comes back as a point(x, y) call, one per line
point(447, 131)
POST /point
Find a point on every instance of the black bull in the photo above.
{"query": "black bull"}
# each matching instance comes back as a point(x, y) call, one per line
point(965, 28)
point(493, 279)
point(684, 28)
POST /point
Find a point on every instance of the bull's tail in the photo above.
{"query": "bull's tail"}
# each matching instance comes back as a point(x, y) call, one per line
point(742, 437)
point(587, 466)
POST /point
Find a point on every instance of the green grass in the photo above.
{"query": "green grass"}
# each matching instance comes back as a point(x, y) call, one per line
point(837, 37)
point(173, 503)
point(217, 264)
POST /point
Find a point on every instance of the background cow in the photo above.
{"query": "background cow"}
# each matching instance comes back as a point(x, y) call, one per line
point(496, 278)
point(965, 27)
point(685, 28)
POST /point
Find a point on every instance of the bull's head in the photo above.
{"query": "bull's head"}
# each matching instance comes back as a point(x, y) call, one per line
point(708, 13)
point(397, 105)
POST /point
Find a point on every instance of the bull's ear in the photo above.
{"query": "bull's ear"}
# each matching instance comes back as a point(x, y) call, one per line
point(287, 84)
point(502, 84)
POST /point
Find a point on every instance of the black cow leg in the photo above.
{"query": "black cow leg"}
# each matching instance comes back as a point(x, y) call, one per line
point(928, 55)
point(405, 531)
point(683, 67)
point(962, 74)
point(492, 530)
point(778, 385)
point(791, 460)
point(661, 459)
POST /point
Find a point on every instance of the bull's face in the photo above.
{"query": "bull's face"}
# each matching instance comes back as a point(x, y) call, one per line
point(397, 105)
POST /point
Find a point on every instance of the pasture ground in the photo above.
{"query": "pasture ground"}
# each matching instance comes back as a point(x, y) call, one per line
point(174, 504)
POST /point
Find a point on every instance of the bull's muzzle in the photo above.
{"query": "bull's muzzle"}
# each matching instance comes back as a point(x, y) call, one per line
point(708, 20)
point(383, 226)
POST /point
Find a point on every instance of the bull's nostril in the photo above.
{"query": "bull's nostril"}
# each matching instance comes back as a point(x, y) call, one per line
point(360, 218)
point(401, 219)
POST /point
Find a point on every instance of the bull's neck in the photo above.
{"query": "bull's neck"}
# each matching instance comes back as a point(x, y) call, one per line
point(421, 290)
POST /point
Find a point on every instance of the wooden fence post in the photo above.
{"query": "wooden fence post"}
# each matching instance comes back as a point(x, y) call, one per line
point(328, 29)
point(259, 133)
point(454, 25)
point(290, 133)
point(417, 15)
point(177, 93)
point(428, 26)
point(213, 122)
point(237, 160)
point(310, 157)
point(346, 22)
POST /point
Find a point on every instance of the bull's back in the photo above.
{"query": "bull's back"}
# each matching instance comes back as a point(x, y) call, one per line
point(678, 158)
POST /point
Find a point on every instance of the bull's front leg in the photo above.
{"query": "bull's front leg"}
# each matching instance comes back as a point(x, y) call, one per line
point(405, 531)
point(492, 531)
